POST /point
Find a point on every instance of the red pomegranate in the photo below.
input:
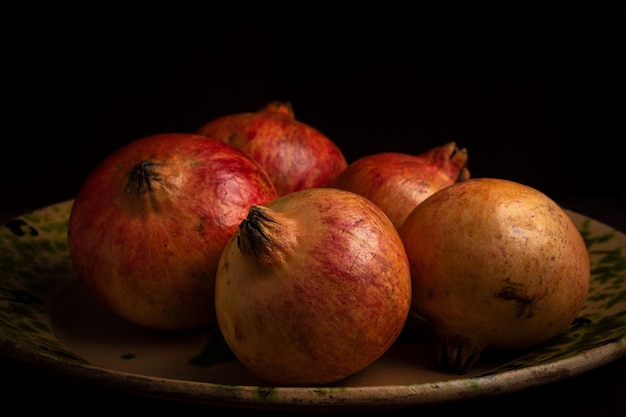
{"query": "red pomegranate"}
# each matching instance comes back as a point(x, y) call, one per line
point(295, 155)
point(149, 224)
point(398, 182)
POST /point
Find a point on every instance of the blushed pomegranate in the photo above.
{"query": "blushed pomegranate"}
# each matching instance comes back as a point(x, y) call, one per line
point(397, 182)
point(149, 224)
point(494, 264)
point(313, 287)
point(295, 155)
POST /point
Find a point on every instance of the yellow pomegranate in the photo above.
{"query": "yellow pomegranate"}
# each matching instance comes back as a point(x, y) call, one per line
point(494, 264)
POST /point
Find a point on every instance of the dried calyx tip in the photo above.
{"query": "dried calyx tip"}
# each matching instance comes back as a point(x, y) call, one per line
point(252, 238)
point(140, 177)
point(456, 353)
point(276, 106)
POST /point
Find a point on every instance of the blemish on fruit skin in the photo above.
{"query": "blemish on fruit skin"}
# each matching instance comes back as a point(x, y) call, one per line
point(199, 227)
point(127, 356)
point(514, 292)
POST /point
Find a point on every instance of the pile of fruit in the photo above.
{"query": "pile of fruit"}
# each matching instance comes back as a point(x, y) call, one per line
point(309, 266)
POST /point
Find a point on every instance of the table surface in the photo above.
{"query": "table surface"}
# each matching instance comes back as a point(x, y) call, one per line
point(598, 392)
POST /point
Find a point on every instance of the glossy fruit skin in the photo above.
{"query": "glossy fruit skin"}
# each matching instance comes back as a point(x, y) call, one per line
point(494, 264)
point(149, 224)
point(313, 288)
point(295, 155)
point(397, 182)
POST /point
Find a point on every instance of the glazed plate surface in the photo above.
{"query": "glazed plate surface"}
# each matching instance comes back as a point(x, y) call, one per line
point(50, 321)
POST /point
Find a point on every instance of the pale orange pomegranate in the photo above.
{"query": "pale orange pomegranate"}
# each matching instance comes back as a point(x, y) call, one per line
point(494, 264)
point(314, 287)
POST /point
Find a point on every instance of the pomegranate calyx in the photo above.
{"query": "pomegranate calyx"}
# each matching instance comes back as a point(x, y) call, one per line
point(253, 239)
point(279, 107)
point(141, 176)
point(458, 164)
point(266, 236)
point(456, 353)
point(451, 160)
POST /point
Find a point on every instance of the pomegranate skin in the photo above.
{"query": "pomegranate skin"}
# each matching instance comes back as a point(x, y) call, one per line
point(295, 155)
point(314, 287)
point(494, 264)
point(149, 224)
point(397, 182)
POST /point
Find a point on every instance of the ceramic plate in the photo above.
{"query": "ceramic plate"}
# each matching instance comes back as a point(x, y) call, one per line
point(48, 320)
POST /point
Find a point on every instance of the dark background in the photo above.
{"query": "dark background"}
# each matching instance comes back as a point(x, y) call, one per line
point(533, 90)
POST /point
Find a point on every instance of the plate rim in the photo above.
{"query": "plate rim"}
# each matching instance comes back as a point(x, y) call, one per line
point(207, 393)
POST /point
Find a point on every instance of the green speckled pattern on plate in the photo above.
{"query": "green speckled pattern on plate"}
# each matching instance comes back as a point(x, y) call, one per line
point(34, 263)
point(48, 319)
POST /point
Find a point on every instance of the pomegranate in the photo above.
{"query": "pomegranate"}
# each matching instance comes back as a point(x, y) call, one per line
point(295, 155)
point(313, 287)
point(494, 264)
point(397, 182)
point(148, 226)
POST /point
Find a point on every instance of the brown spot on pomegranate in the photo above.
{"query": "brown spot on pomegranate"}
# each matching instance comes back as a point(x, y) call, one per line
point(512, 291)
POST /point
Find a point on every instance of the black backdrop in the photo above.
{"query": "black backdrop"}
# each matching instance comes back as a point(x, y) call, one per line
point(534, 91)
